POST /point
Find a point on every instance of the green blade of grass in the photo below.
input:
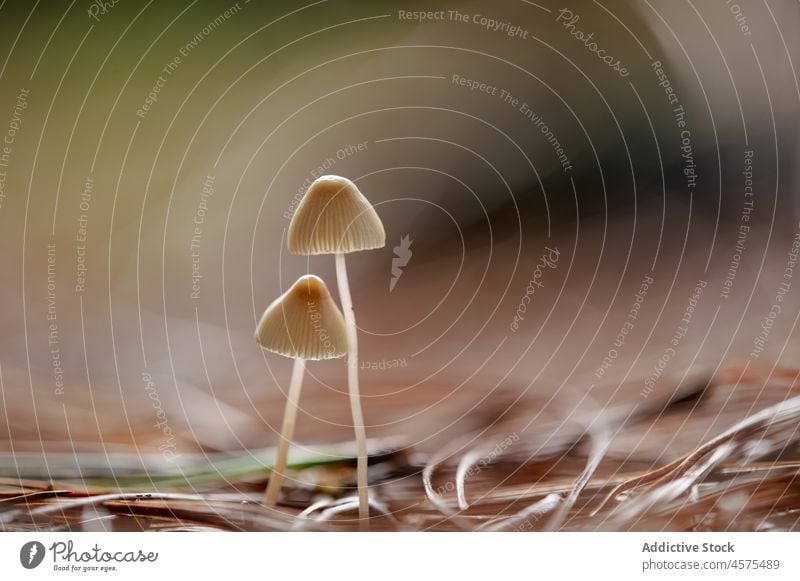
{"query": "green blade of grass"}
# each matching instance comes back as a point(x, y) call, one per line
point(134, 470)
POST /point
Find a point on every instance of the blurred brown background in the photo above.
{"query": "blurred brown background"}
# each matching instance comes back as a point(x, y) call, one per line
point(185, 217)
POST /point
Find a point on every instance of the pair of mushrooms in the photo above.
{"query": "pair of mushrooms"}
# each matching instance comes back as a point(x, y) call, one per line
point(304, 323)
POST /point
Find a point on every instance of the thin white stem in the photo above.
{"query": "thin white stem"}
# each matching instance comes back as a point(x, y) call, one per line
point(289, 416)
point(352, 382)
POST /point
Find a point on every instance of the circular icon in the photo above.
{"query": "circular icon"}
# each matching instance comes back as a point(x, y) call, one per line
point(31, 554)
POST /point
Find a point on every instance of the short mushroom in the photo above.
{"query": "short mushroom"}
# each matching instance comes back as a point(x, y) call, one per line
point(334, 217)
point(303, 323)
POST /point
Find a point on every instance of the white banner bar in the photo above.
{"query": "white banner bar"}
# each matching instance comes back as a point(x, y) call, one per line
point(401, 556)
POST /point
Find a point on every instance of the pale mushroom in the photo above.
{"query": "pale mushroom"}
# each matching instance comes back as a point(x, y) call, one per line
point(303, 323)
point(334, 217)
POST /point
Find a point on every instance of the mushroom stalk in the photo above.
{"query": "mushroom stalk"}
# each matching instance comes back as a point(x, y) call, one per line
point(289, 417)
point(353, 388)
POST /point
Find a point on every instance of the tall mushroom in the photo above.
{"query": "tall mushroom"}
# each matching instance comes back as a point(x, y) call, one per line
point(303, 323)
point(334, 217)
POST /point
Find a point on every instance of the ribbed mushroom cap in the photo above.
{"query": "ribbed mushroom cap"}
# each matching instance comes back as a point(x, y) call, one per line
point(334, 216)
point(304, 322)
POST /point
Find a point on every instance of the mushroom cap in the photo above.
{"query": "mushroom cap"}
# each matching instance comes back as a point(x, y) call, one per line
point(304, 322)
point(334, 217)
